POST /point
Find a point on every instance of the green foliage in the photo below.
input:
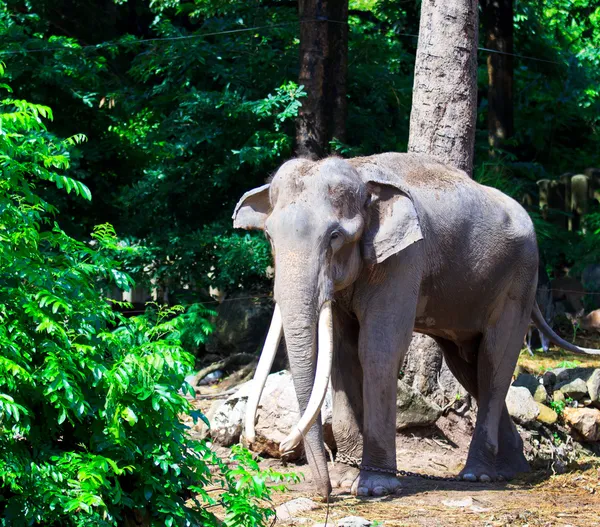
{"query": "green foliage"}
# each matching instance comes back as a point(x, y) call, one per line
point(558, 406)
point(90, 401)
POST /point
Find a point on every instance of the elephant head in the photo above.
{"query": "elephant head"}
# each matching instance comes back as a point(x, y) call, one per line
point(325, 221)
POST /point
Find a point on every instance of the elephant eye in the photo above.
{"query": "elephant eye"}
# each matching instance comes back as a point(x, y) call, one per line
point(336, 235)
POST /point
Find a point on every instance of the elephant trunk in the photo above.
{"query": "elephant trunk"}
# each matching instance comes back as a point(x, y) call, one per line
point(311, 378)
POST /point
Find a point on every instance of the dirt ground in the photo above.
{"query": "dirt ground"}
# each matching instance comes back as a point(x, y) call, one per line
point(537, 499)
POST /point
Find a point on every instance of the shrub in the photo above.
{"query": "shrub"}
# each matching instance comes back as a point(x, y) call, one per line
point(90, 400)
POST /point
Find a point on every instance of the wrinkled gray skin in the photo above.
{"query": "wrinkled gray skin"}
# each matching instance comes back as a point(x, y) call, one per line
point(398, 241)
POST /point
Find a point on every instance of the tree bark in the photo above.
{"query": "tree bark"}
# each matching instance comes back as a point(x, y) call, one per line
point(323, 65)
point(442, 121)
point(444, 107)
point(498, 26)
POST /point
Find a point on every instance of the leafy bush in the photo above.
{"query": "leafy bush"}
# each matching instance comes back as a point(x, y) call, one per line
point(90, 400)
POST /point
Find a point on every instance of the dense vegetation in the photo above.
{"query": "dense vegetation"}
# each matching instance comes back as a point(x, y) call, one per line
point(90, 401)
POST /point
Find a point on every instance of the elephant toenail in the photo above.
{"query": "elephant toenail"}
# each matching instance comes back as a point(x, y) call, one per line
point(379, 491)
point(469, 477)
point(362, 491)
point(484, 478)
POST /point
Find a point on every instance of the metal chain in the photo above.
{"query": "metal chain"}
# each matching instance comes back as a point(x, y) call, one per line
point(356, 462)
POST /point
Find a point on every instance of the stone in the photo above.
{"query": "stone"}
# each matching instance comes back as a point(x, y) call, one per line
point(546, 415)
point(540, 394)
point(521, 406)
point(576, 389)
point(593, 385)
point(567, 375)
point(558, 397)
point(426, 371)
point(241, 325)
point(354, 521)
point(528, 381)
point(412, 409)
point(585, 422)
point(549, 379)
point(291, 509)
point(277, 413)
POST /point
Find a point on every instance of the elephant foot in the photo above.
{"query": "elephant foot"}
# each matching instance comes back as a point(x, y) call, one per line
point(343, 476)
point(481, 473)
point(375, 484)
point(508, 467)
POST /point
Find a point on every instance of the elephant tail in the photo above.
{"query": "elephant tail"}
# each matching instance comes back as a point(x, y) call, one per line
point(547, 331)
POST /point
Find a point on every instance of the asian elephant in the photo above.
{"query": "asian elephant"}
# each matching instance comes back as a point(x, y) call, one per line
point(365, 251)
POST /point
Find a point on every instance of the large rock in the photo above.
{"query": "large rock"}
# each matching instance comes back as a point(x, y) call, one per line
point(526, 380)
point(241, 325)
point(593, 386)
point(576, 389)
point(277, 413)
point(426, 371)
point(521, 405)
point(585, 422)
point(412, 409)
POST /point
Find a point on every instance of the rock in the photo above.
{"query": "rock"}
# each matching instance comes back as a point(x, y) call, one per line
point(277, 413)
point(412, 409)
point(558, 397)
point(540, 394)
point(549, 379)
point(465, 502)
point(241, 326)
point(546, 415)
point(291, 509)
point(576, 389)
point(593, 385)
point(521, 405)
point(354, 521)
point(585, 422)
point(528, 381)
point(426, 371)
point(567, 375)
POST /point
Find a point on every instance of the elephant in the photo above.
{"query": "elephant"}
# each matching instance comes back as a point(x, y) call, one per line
point(367, 250)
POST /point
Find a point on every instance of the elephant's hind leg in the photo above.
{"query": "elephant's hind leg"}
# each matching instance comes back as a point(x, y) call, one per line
point(496, 360)
point(510, 459)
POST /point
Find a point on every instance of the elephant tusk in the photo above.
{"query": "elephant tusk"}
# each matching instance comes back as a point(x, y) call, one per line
point(322, 375)
point(262, 371)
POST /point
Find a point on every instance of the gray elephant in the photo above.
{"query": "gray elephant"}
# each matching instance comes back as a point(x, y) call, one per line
point(365, 251)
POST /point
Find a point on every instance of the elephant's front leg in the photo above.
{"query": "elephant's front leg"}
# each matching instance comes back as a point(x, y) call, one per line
point(386, 325)
point(347, 384)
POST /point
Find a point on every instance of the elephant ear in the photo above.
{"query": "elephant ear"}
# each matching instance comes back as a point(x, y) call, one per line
point(392, 222)
point(253, 209)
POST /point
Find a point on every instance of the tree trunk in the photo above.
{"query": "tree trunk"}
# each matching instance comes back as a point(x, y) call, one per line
point(323, 64)
point(498, 26)
point(442, 123)
point(444, 107)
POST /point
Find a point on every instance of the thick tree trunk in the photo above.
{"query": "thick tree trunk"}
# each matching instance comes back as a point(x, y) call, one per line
point(498, 26)
point(444, 107)
point(323, 64)
point(442, 123)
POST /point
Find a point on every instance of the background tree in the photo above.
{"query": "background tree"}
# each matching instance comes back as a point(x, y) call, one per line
point(444, 107)
point(497, 17)
point(443, 115)
point(323, 65)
